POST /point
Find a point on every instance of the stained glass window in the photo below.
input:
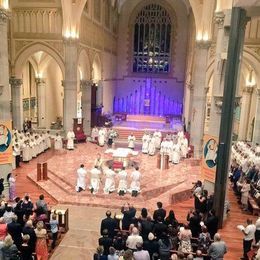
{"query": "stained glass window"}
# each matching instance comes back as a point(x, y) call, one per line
point(152, 40)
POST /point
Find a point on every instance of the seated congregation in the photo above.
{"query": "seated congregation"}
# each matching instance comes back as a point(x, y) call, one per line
point(27, 229)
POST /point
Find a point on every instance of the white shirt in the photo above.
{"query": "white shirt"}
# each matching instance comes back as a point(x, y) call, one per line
point(250, 232)
point(257, 224)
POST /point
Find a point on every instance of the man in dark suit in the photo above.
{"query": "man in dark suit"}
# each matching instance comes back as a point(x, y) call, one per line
point(160, 212)
point(110, 224)
point(105, 241)
point(212, 223)
point(15, 230)
point(159, 228)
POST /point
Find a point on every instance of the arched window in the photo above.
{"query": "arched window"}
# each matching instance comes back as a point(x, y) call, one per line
point(152, 40)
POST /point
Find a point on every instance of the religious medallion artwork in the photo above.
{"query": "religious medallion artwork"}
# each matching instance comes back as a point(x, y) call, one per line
point(209, 162)
point(5, 142)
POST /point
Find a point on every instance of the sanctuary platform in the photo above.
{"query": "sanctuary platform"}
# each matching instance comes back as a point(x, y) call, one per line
point(168, 186)
point(138, 124)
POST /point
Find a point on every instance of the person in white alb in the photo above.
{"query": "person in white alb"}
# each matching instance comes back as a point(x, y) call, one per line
point(58, 142)
point(70, 140)
point(158, 138)
point(131, 141)
point(94, 180)
point(110, 180)
point(151, 147)
point(94, 134)
point(122, 185)
point(135, 184)
point(81, 179)
point(145, 143)
point(101, 137)
point(249, 234)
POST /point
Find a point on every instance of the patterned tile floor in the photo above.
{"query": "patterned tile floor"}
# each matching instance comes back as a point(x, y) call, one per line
point(155, 184)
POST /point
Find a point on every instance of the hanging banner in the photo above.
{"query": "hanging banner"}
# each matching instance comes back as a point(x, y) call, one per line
point(209, 159)
point(6, 151)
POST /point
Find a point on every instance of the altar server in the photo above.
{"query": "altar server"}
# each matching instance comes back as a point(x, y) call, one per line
point(163, 146)
point(70, 140)
point(101, 137)
point(184, 147)
point(33, 148)
point(48, 139)
point(58, 142)
point(94, 134)
point(131, 141)
point(151, 147)
point(26, 152)
point(145, 143)
point(122, 185)
point(158, 138)
point(94, 180)
point(110, 180)
point(98, 162)
point(175, 155)
point(81, 179)
point(135, 182)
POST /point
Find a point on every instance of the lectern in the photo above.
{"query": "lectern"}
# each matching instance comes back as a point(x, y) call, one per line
point(163, 161)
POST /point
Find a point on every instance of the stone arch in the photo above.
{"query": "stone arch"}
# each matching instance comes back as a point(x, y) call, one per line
point(84, 64)
point(96, 68)
point(29, 50)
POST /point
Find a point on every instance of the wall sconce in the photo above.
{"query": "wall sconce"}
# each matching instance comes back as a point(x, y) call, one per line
point(250, 81)
point(1, 90)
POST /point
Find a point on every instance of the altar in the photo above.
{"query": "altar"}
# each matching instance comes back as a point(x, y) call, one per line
point(122, 155)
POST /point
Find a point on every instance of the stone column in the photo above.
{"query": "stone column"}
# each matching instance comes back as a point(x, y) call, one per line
point(245, 111)
point(190, 96)
point(256, 134)
point(86, 104)
point(5, 95)
point(70, 83)
point(219, 73)
point(17, 102)
point(199, 97)
point(41, 102)
point(100, 93)
point(5, 109)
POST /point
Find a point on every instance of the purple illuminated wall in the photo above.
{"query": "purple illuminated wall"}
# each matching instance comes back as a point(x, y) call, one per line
point(148, 100)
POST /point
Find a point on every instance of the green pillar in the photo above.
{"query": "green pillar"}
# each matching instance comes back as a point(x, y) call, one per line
point(236, 39)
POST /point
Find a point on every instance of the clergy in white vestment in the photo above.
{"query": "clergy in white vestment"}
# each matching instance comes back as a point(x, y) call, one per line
point(101, 137)
point(110, 180)
point(58, 142)
point(175, 156)
point(94, 134)
point(26, 152)
point(94, 180)
point(81, 179)
point(98, 162)
point(184, 147)
point(163, 146)
point(33, 148)
point(158, 138)
point(48, 139)
point(122, 185)
point(131, 141)
point(70, 140)
point(151, 147)
point(145, 143)
point(135, 181)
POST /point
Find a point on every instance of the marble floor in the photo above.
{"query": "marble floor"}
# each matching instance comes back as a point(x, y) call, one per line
point(155, 184)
